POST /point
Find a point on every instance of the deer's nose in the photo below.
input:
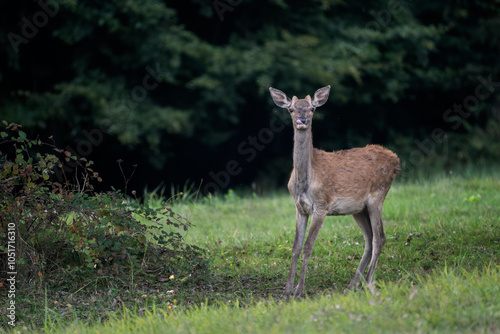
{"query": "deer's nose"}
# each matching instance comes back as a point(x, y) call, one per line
point(301, 120)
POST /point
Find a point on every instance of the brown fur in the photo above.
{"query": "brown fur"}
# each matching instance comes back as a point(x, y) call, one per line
point(352, 174)
point(353, 181)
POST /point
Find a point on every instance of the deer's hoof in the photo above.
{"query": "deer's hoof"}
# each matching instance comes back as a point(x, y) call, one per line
point(286, 294)
point(299, 294)
point(353, 287)
point(350, 287)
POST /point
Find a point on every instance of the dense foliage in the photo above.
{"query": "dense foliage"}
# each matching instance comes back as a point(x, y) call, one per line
point(56, 230)
point(169, 84)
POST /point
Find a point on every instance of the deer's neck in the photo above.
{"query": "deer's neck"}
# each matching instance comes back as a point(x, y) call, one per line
point(302, 153)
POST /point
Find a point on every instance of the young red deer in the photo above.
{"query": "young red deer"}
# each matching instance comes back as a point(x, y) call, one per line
point(350, 182)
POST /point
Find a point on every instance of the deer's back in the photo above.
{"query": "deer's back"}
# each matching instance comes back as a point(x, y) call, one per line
point(372, 166)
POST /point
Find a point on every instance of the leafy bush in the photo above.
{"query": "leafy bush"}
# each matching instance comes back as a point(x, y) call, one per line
point(65, 230)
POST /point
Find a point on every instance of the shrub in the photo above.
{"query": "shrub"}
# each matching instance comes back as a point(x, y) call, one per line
point(67, 232)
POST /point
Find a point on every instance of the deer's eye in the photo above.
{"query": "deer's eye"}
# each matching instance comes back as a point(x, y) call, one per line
point(291, 110)
point(312, 109)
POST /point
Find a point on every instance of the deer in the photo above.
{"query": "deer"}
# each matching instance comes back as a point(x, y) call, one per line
point(347, 182)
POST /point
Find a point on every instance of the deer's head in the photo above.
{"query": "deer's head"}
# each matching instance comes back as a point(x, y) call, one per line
point(301, 110)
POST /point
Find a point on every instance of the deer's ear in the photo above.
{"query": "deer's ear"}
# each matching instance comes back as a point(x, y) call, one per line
point(321, 96)
point(280, 98)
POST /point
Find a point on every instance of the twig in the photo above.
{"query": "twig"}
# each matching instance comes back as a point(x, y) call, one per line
point(125, 179)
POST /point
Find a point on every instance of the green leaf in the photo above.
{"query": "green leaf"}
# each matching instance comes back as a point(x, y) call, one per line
point(4, 134)
point(22, 135)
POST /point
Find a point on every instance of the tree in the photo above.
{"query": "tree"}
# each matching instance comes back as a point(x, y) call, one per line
point(170, 84)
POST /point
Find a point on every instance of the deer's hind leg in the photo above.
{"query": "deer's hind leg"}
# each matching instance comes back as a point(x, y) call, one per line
point(378, 241)
point(363, 221)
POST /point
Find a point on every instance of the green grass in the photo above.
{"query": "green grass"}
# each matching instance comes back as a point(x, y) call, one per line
point(447, 302)
point(452, 221)
point(438, 271)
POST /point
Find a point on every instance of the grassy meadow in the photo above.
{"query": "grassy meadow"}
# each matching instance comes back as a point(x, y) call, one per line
point(439, 271)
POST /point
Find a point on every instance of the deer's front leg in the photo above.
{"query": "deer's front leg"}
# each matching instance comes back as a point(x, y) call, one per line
point(300, 232)
point(316, 223)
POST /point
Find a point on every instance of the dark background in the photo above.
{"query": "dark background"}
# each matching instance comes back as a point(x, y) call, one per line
point(180, 88)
